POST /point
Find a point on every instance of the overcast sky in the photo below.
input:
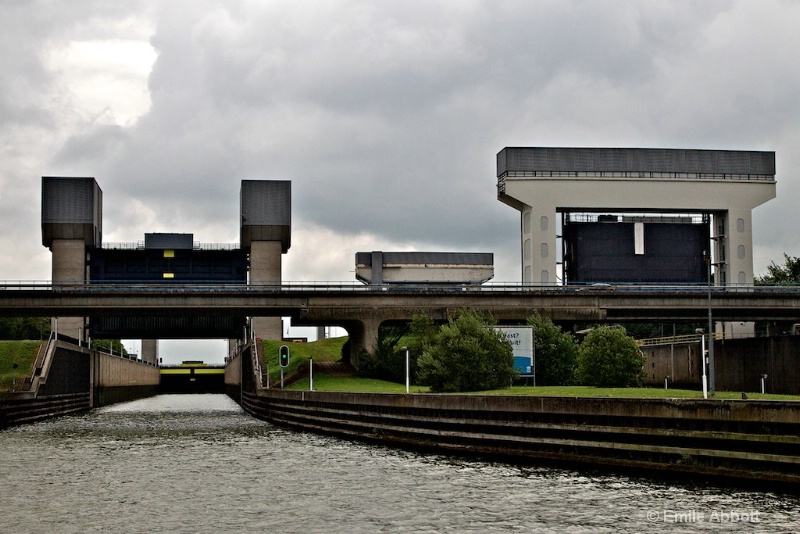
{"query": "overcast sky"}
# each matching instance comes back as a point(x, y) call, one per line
point(386, 116)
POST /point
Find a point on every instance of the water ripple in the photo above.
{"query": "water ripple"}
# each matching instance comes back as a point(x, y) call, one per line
point(197, 464)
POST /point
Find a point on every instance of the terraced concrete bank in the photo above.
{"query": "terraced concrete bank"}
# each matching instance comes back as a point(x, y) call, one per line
point(755, 440)
point(69, 377)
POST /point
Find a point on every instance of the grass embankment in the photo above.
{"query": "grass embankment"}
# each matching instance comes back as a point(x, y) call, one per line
point(330, 350)
point(324, 350)
point(21, 353)
point(369, 385)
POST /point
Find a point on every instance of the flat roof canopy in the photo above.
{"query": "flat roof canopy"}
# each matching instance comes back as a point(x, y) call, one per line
point(659, 160)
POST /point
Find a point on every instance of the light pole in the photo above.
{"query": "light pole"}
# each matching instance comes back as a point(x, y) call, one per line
point(710, 323)
point(408, 379)
point(703, 360)
point(534, 356)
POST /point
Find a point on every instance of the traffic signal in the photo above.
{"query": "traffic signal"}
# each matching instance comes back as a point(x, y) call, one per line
point(283, 354)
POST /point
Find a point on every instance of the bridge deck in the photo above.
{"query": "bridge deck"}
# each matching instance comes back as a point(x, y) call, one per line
point(312, 303)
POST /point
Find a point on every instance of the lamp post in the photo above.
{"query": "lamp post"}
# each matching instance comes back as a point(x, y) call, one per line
point(710, 324)
point(310, 374)
point(703, 360)
point(534, 356)
point(408, 379)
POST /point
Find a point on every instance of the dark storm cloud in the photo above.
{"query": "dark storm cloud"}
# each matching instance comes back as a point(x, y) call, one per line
point(387, 116)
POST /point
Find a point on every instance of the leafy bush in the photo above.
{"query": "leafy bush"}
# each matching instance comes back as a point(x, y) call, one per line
point(24, 327)
point(788, 273)
point(556, 353)
point(608, 357)
point(389, 360)
point(467, 354)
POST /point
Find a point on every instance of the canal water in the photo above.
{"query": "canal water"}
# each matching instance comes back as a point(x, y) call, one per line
point(198, 464)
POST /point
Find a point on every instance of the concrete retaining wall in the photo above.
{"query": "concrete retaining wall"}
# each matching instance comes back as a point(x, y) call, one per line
point(73, 379)
point(233, 371)
point(61, 386)
point(233, 378)
point(757, 441)
point(113, 371)
point(103, 396)
point(120, 380)
point(739, 364)
point(20, 408)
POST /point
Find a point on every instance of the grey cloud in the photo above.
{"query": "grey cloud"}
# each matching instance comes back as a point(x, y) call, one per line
point(387, 116)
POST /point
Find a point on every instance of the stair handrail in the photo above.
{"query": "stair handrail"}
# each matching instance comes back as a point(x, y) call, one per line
point(257, 363)
point(40, 363)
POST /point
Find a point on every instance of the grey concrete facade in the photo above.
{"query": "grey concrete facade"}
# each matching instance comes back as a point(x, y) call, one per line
point(461, 268)
point(265, 269)
point(728, 185)
point(72, 227)
point(266, 216)
point(71, 222)
point(150, 351)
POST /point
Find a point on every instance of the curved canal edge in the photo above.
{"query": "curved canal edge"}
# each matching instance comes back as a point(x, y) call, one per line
point(752, 441)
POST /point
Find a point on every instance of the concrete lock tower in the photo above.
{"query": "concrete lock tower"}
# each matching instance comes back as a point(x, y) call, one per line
point(72, 221)
point(722, 186)
point(266, 230)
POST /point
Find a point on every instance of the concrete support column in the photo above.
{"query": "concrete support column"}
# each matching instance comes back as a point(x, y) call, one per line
point(734, 258)
point(150, 351)
point(69, 266)
point(539, 255)
point(265, 268)
point(738, 243)
point(363, 336)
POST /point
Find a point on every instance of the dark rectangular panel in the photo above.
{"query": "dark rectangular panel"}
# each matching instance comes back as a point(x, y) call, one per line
point(560, 159)
point(169, 241)
point(605, 252)
point(172, 327)
point(184, 266)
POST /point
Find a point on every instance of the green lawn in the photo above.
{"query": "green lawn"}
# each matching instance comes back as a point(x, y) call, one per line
point(324, 350)
point(21, 353)
point(370, 385)
point(354, 385)
point(649, 393)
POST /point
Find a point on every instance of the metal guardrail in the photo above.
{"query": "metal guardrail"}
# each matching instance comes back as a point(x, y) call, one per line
point(257, 364)
point(345, 286)
point(674, 340)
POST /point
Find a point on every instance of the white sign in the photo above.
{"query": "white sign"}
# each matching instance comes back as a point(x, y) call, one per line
point(521, 339)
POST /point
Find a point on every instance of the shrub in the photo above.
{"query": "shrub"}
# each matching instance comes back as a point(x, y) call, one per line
point(556, 353)
point(467, 354)
point(608, 357)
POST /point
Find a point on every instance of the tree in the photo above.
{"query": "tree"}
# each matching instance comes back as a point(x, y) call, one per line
point(608, 357)
point(24, 327)
point(388, 363)
point(556, 353)
point(467, 354)
point(788, 273)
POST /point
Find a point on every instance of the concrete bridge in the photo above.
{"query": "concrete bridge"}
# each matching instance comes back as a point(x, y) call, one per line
point(362, 309)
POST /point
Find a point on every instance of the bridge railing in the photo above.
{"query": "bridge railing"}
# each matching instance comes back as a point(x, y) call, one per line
point(284, 286)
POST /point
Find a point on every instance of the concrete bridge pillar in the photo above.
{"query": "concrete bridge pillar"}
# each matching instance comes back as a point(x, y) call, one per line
point(69, 266)
point(72, 222)
point(265, 269)
point(266, 215)
point(150, 351)
point(363, 336)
